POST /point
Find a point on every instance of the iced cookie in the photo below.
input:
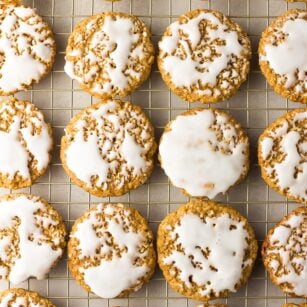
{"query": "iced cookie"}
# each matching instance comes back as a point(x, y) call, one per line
point(108, 148)
point(282, 59)
point(111, 251)
point(294, 305)
point(25, 142)
point(206, 250)
point(22, 298)
point(204, 152)
point(27, 48)
point(284, 253)
point(204, 56)
point(282, 150)
point(32, 237)
point(110, 54)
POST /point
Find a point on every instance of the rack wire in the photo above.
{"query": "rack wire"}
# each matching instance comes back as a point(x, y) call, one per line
point(255, 106)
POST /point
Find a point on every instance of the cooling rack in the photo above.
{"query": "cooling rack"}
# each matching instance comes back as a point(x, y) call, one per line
point(255, 106)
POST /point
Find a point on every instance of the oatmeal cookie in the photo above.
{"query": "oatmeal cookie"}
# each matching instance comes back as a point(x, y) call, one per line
point(284, 253)
point(204, 56)
point(206, 250)
point(282, 153)
point(111, 251)
point(32, 237)
point(108, 148)
point(281, 55)
point(110, 54)
point(204, 152)
point(25, 142)
point(26, 44)
point(18, 297)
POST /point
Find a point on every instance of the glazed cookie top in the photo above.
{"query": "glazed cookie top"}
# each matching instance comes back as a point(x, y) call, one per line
point(204, 152)
point(26, 42)
point(108, 146)
point(109, 54)
point(25, 142)
point(285, 251)
point(284, 39)
point(112, 247)
point(205, 249)
point(282, 150)
point(32, 237)
point(21, 298)
point(205, 54)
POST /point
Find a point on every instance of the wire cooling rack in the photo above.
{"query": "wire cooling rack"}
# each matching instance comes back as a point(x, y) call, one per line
point(255, 106)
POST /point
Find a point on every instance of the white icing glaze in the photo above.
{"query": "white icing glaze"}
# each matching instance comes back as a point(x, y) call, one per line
point(191, 154)
point(119, 273)
point(285, 171)
point(287, 58)
point(35, 256)
point(13, 156)
point(29, 37)
point(100, 153)
point(224, 249)
point(113, 46)
point(188, 70)
point(291, 250)
point(19, 301)
point(18, 143)
point(266, 147)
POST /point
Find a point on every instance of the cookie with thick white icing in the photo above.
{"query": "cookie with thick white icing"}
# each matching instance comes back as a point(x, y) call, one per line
point(27, 48)
point(282, 151)
point(204, 56)
point(281, 55)
point(32, 237)
point(110, 54)
point(284, 253)
point(111, 251)
point(17, 297)
point(204, 152)
point(108, 148)
point(206, 250)
point(25, 142)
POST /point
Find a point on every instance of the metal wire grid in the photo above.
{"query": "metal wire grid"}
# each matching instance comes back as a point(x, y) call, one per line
point(255, 106)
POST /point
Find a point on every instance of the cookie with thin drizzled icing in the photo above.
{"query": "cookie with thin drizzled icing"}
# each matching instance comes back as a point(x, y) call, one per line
point(206, 250)
point(204, 56)
point(281, 56)
point(26, 43)
point(284, 253)
point(111, 251)
point(17, 297)
point(32, 237)
point(108, 148)
point(109, 54)
point(282, 150)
